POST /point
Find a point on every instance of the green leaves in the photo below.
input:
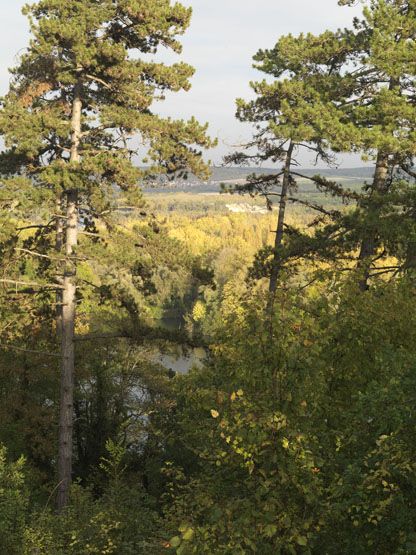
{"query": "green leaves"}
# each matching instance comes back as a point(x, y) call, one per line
point(301, 540)
point(13, 504)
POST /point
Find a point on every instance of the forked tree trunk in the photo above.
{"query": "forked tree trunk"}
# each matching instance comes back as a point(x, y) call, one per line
point(369, 241)
point(68, 318)
point(276, 263)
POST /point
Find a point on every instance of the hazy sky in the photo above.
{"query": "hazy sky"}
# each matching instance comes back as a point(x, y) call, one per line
point(220, 44)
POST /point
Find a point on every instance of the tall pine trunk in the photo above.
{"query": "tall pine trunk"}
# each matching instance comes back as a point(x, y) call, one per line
point(59, 242)
point(68, 318)
point(276, 263)
point(369, 241)
point(379, 187)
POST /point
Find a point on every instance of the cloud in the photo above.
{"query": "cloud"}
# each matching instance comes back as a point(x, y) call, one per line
point(223, 37)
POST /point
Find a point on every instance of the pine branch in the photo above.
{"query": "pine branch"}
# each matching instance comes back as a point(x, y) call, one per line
point(39, 255)
point(103, 336)
point(31, 283)
point(31, 351)
point(314, 206)
point(98, 80)
point(45, 226)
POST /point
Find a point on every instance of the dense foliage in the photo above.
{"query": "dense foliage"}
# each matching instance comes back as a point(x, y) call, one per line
point(293, 430)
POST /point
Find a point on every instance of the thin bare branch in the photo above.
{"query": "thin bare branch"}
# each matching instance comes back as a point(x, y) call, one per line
point(31, 351)
point(31, 284)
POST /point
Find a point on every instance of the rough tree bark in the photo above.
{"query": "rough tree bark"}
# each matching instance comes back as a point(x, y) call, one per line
point(68, 317)
point(59, 243)
point(276, 263)
point(369, 241)
point(380, 186)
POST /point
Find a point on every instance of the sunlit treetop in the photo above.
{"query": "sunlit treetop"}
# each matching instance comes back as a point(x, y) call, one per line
point(107, 50)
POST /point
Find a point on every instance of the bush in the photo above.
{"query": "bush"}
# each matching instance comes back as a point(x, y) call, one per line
point(13, 504)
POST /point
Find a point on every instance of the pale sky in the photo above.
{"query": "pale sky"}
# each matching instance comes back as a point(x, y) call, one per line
point(223, 37)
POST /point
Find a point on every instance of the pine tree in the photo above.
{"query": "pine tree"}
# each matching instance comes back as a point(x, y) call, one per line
point(297, 112)
point(383, 109)
point(82, 91)
point(349, 91)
